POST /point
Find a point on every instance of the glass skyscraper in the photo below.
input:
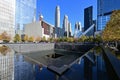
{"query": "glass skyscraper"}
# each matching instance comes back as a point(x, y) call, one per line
point(88, 17)
point(104, 11)
point(7, 17)
point(25, 12)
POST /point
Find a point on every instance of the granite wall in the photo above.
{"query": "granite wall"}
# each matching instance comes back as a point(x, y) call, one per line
point(31, 47)
point(74, 46)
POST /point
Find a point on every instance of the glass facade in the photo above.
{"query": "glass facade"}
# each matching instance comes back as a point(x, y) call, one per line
point(25, 12)
point(104, 10)
point(88, 15)
point(102, 21)
point(7, 16)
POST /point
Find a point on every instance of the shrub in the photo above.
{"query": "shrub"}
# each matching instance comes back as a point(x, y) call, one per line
point(5, 37)
point(6, 41)
point(38, 39)
point(44, 39)
point(31, 39)
point(17, 38)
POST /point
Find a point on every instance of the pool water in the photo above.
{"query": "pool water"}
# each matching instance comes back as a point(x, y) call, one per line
point(37, 66)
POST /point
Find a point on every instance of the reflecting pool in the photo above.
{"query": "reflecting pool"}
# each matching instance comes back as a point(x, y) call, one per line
point(53, 65)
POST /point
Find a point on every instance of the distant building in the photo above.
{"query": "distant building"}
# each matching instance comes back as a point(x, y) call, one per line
point(57, 16)
point(104, 11)
point(58, 30)
point(67, 27)
point(95, 28)
point(25, 13)
point(82, 29)
point(79, 26)
point(76, 26)
point(88, 16)
point(78, 29)
point(40, 29)
point(7, 17)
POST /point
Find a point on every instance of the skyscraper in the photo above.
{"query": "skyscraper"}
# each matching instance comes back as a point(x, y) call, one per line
point(104, 11)
point(78, 29)
point(88, 15)
point(57, 16)
point(25, 12)
point(65, 25)
point(69, 29)
point(78, 26)
point(7, 17)
point(57, 22)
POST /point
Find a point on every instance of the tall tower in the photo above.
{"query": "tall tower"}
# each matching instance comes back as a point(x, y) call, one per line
point(7, 17)
point(76, 26)
point(69, 29)
point(78, 29)
point(79, 26)
point(88, 17)
point(65, 25)
point(57, 16)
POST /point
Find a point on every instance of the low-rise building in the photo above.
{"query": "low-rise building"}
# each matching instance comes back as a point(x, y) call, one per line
point(39, 29)
point(42, 29)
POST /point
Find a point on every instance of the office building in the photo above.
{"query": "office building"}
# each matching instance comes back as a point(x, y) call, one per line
point(57, 16)
point(78, 30)
point(95, 22)
point(104, 11)
point(78, 27)
point(58, 30)
point(88, 16)
point(69, 29)
point(65, 23)
point(7, 17)
point(25, 13)
point(66, 26)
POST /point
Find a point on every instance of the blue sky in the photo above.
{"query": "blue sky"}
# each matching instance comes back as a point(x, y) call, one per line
point(73, 8)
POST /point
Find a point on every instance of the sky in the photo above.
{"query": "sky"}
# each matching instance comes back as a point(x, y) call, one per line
point(73, 8)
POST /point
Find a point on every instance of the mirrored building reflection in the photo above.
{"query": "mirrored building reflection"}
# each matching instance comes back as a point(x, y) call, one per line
point(23, 70)
point(89, 66)
point(7, 65)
